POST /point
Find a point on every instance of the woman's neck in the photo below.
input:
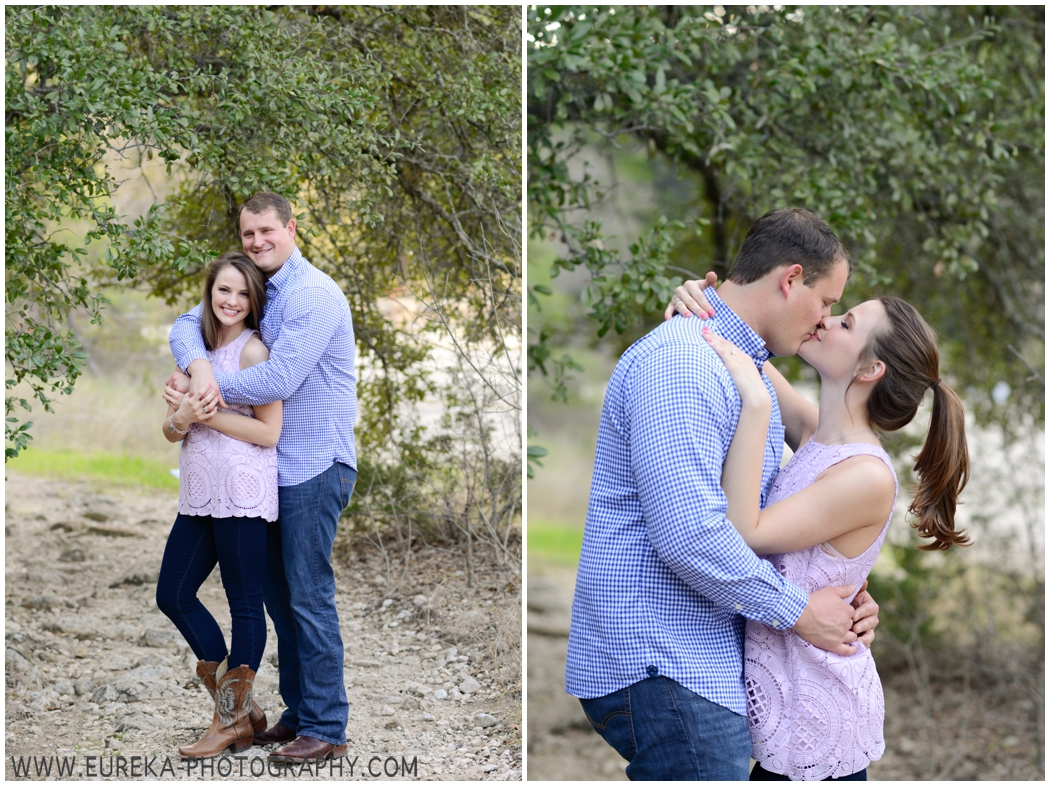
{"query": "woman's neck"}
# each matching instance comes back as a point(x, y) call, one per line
point(228, 333)
point(843, 416)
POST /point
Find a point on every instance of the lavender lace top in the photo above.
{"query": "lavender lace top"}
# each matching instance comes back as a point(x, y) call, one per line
point(813, 714)
point(221, 476)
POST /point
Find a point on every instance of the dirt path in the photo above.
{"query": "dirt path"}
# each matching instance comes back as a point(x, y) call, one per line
point(95, 670)
point(983, 732)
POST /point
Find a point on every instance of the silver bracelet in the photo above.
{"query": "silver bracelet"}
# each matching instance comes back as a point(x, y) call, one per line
point(173, 428)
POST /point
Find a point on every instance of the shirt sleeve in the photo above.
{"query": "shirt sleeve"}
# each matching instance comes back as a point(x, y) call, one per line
point(682, 421)
point(309, 320)
point(185, 339)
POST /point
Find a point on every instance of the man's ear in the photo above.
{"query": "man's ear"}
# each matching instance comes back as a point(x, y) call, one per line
point(790, 275)
point(872, 373)
point(291, 226)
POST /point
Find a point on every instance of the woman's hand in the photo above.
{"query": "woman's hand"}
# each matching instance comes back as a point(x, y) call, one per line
point(689, 298)
point(172, 397)
point(741, 367)
point(193, 407)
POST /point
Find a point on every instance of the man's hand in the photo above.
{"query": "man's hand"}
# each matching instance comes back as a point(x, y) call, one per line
point(202, 377)
point(178, 382)
point(688, 299)
point(865, 616)
point(827, 619)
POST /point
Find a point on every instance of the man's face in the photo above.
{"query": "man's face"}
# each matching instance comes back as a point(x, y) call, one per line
point(806, 307)
point(266, 240)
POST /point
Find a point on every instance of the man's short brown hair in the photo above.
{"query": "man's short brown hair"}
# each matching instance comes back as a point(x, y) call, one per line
point(788, 236)
point(263, 201)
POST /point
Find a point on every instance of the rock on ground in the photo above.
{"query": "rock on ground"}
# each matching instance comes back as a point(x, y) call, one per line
point(93, 669)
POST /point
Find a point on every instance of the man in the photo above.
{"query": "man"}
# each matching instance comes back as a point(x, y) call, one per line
point(308, 329)
point(664, 580)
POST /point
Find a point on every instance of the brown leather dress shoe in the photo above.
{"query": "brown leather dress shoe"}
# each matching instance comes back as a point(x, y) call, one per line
point(306, 749)
point(276, 733)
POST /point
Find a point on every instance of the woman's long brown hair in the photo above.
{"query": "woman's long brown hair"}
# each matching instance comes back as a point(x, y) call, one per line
point(210, 324)
point(908, 347)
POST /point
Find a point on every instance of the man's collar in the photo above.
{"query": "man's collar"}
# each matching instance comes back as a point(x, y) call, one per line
point(287, 270)
point(733, 328)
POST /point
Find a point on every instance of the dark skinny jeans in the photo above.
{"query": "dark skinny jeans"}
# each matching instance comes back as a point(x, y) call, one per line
point(195, 545)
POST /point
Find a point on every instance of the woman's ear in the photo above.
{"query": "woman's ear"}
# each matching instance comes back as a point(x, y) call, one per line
point(872, 373)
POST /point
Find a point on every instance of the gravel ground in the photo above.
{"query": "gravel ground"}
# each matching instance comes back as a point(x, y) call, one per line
point(98, 679)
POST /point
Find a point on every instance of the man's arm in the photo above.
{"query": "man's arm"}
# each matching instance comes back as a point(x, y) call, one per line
point(187, 345)
point(674, 402)
point(310, 318)
point(680, 428)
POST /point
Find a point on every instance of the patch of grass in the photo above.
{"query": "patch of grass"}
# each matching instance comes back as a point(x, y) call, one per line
point(114, 469)
point(554, 542)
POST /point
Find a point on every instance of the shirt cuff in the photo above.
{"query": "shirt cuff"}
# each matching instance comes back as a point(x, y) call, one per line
point(190, 356)
point(783, 614)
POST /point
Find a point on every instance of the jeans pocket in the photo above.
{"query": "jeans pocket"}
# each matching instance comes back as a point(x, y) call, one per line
point(610, 717)
point(601, 727)
point(347, 481)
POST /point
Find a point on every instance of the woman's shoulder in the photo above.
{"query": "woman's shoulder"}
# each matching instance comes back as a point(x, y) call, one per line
point(867, 473)
point(254, 351)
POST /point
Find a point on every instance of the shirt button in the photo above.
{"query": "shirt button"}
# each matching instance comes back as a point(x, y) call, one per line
point(774, 622)
point(739, 607)
point(652, 671)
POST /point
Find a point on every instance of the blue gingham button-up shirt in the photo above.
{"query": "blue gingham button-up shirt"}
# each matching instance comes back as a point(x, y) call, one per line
point(307, 327)
point(665, 581)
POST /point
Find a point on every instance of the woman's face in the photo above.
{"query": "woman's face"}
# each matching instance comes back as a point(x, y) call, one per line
point(836, 348)
point(229, 296)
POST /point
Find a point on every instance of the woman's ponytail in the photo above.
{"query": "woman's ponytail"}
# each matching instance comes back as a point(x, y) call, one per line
point(908, 347)
point(943, 467)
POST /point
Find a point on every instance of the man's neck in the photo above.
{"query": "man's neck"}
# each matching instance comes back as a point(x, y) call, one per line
point(746, 302)
point(277, 269)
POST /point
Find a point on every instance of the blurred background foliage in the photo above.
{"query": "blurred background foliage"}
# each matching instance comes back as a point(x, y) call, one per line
point(657, 134)
point(915, 132)
point(396, 134)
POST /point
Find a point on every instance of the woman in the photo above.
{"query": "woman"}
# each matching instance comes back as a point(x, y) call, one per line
point(814, 715)
point(227, 493)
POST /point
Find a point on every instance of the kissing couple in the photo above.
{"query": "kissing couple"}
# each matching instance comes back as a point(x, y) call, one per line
point(720, 612)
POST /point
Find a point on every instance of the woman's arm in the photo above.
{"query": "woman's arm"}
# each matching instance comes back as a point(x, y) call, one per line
point(798, 414)
point(185, 409)
point(264, 429)
point(854, 495)
point(742, 469)
point(174, 436)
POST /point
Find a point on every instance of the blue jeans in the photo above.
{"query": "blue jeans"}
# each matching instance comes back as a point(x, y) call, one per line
point(194, 545)
point(667, 732)
point(760, 773)
point(300, 598)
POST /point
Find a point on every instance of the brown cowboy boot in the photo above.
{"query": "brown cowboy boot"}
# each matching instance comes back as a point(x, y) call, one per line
point(206, 672)
point(230, 727)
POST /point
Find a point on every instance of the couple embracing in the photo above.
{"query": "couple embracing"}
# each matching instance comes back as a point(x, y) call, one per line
point(689, 651)
point(265, 412)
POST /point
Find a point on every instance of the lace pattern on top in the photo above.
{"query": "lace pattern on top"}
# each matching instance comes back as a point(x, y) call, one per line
point(221, 476)
point(813, 714)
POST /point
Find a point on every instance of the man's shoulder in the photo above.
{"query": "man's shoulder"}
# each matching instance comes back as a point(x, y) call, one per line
point(309, 283)
point(676, 347)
